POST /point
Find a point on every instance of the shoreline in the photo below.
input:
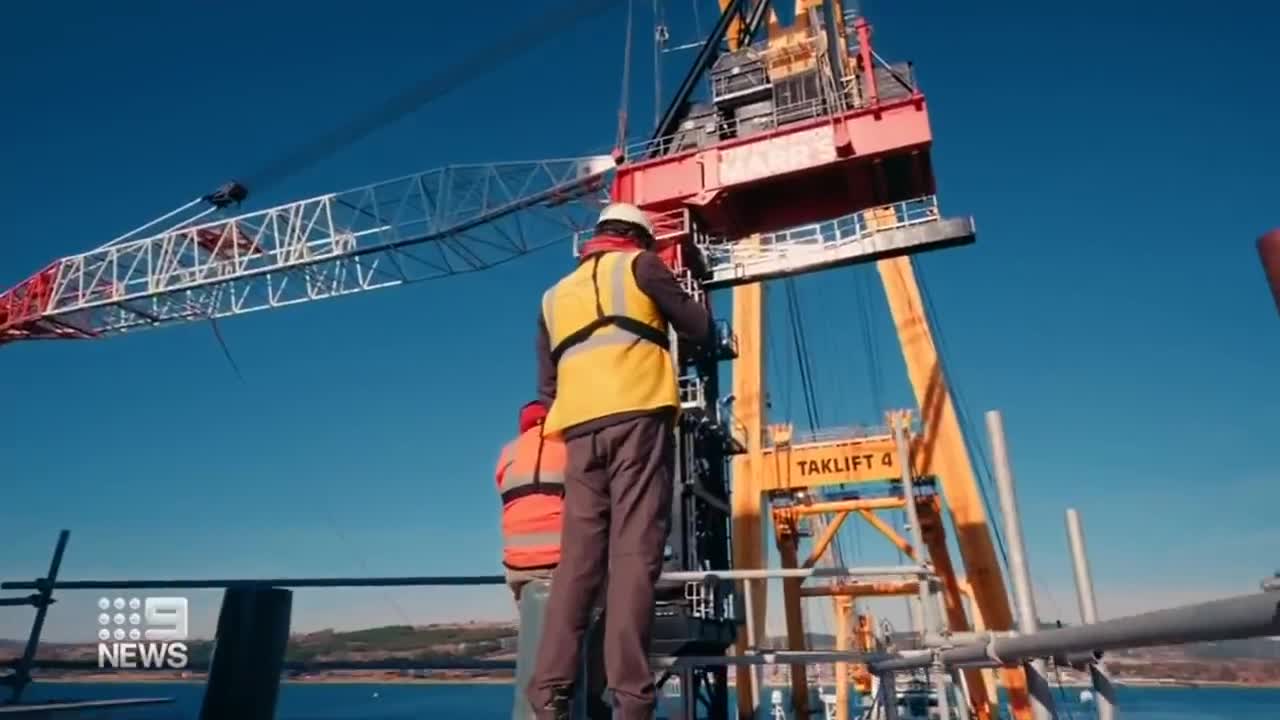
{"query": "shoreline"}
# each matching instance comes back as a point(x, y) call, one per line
point(149, 679)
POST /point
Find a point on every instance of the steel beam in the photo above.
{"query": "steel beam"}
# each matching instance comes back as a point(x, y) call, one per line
point(1106, 697)
point(1244, 616)
point(22, 671)
point(1042, 704)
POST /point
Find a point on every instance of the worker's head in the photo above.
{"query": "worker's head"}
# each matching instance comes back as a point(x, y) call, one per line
point(626, 221)
point(532, 415)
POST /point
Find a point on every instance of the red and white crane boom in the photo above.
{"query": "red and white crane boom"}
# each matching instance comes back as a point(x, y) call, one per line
point(446, 221)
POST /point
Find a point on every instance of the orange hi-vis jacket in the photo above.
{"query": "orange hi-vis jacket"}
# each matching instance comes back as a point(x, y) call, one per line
point(531, 481)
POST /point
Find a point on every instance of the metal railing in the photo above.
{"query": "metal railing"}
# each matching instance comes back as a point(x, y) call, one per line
point(815, 244)
point(1253, 615)
point(717, 129)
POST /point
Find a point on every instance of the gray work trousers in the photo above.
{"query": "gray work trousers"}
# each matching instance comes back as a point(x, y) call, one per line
point(589, 701)
point(617, 512)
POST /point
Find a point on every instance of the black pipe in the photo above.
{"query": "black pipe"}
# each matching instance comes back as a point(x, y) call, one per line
point(244, 674)
point(756, 20)
point(706, 56)
point(835, 49)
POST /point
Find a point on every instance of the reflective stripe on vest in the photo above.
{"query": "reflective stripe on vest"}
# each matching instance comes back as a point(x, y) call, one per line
point(532, 506)
point(609, 343)
point(524, 479)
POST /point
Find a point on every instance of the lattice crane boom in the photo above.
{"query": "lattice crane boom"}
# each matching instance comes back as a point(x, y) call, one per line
point(441, 222)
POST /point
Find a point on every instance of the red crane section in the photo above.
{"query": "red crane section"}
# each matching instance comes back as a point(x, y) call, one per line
point(824, 155)
point(795, 174)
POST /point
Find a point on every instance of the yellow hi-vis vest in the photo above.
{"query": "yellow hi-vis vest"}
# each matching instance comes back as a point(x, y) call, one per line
point(609, 343)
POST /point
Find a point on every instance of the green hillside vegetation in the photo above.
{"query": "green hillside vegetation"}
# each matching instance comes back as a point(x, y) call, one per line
point(479, 640)
point(421, 643)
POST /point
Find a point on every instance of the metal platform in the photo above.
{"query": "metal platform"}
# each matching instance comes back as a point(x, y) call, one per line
point(902, 228)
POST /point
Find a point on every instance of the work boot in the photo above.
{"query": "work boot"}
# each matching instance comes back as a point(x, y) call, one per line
point(557, 708)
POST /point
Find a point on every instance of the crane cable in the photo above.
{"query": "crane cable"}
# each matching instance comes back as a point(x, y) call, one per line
point(983, 470)
point(526, 36)
point(802, 354)
point(870, 341)
point(624, 100)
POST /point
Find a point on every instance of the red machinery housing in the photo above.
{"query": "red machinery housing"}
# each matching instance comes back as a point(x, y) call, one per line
point(795, 136)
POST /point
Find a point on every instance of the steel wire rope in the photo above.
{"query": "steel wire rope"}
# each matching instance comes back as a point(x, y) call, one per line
point(806, 380)
point(783, 371)
point(624, 101)
point(529, 34)
point(871, 340)
point(660, 34)
point(846, 394)
point(875, 372)
point(984, 475)
point(526, 37)
point(837, 548)
point(832, 344)
point(976, 448)
point(802, 355)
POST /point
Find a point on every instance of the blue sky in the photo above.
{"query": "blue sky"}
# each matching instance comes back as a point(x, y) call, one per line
point(1119, 166)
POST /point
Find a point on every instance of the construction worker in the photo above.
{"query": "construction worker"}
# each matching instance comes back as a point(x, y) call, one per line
point(530, 479)
point(605, 368)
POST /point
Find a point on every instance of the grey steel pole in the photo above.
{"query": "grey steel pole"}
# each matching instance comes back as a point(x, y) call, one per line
point(751, 646)
point(1041, 699)
point(962, 694)
point(889, 696)
point(1244, 616)
point(1106, 695)
point(940, 682)
point(920, 607)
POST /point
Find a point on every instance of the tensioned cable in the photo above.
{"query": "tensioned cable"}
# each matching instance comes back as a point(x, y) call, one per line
point(802, 355)
point(962, 417)
point(528, 35)
point(624, 101)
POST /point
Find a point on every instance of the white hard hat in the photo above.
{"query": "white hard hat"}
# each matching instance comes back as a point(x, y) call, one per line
point(625, 212)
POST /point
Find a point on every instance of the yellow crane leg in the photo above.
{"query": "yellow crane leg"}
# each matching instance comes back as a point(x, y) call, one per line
point(988, 675)
point(735, 25)
point(866, 643)
point(745, 495)
point(789, 554)
point(945, 456)
point(844, 613)
point(935, 540)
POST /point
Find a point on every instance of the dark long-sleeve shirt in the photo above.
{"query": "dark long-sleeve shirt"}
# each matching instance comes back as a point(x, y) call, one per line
point(691, 321)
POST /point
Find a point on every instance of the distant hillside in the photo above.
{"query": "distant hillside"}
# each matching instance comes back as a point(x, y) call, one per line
point(430, 642)
point(1249, 649)
point(487, 640)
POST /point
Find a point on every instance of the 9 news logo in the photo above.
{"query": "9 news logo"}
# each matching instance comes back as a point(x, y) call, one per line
point(149, 640)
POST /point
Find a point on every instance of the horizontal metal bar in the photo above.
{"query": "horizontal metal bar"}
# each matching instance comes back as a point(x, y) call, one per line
point(445, 580)
point(382, 664)
point(773, 573)
point(780, 657)
point(422, 581)
point(1255, 615)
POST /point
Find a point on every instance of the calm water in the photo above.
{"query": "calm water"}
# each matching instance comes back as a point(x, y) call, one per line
point(493, 702)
